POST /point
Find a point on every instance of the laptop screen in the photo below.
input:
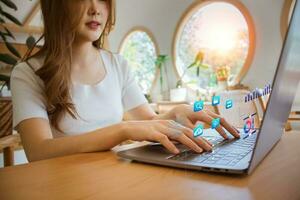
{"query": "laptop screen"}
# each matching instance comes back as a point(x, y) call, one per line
point(281, 92)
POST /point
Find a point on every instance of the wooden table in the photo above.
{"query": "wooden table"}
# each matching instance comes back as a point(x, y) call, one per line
point(104, 176)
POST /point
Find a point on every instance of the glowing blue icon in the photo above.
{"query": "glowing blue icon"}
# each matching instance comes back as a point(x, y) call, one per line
point(249, 124)
point(215, 123)
point(215, 100)
point(229, 104)
point(198, 106)
point(198, 130)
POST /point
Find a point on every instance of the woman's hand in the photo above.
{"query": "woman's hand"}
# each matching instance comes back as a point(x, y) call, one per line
point(185, 115)
point(163, 131)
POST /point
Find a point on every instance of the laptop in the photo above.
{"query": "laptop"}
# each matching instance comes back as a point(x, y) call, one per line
point(241, 156)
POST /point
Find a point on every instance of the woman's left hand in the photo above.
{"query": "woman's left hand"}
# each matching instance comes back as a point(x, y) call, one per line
point(185, 115)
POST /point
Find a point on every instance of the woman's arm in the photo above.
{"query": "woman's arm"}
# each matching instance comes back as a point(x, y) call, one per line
point(145, 112)
point(39, 144)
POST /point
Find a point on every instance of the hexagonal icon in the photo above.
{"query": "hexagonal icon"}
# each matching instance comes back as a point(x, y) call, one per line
point(215, 100)
point(229, 104)
point(198, 131)
point(198, 106)
point(215, 123)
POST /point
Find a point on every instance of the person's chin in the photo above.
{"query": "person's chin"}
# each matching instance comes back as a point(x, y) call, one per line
point(92, 37)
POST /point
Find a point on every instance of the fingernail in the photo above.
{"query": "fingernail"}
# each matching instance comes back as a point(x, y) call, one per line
point(176, 151)
point(199, 150)
point(209, 148)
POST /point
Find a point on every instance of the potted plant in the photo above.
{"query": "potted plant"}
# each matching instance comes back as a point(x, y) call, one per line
point(9, 59)
point(223, 73)
point(180, 93)
point(160, 64)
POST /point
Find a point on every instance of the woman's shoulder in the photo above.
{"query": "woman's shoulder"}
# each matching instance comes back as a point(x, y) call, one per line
point(112, 56)
point(32, 64)
point(26, 70)
point(115, 60)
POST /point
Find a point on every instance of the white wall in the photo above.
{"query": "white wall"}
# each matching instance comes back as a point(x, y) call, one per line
point(162, 16)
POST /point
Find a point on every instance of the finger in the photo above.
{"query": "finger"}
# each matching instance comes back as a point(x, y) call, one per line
point(199, 140)
point(226, 125)
point(185, 121)
point(208, 119)
point(189, 143)
point(163, 139)
point(178, 135)
point(208, 142)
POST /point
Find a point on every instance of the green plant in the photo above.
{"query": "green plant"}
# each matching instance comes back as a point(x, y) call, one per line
point(198, 63)
point(160, 62)
point(5, 34)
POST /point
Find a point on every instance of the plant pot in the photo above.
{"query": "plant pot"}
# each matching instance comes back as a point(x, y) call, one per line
point(222, 85)
point(178, 94)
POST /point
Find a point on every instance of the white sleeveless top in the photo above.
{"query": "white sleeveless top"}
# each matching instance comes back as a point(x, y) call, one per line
point(98, 105)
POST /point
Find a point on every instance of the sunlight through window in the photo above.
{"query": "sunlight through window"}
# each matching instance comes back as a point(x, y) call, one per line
point(219, 32)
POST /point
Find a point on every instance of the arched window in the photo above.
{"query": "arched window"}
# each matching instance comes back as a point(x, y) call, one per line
point(218, 37)
point(286, 15)
point(140, 50)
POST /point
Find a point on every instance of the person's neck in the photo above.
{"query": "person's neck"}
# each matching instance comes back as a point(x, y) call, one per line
point(82, 53)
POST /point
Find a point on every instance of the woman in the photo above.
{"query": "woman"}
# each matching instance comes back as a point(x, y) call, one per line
point(71, 96)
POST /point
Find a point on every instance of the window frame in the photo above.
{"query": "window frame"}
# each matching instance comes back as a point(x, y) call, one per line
point(251, 28)
point(151, 36)
point(288, 5)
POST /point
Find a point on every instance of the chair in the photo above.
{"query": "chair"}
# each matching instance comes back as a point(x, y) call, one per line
point(8, 140)
point(240, 110)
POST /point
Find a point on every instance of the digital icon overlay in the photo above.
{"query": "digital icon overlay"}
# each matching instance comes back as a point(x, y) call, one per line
point(258, 93)
point(249, 124)
point(216, 100)
point(198, 131)
point(198, 106)
point(229, 104)
point(215, 123)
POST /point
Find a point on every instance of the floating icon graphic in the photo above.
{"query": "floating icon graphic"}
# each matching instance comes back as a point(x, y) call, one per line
point(249, 124)
point(215, 100)
point(229, 104)
point(198, 130)
point(198, 106)
point(215, 123)
point(258, 93)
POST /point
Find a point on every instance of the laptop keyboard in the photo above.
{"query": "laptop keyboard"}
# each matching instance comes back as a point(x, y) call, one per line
point(225, 152)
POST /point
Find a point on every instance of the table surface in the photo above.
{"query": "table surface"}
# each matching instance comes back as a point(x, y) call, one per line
point(105, 176)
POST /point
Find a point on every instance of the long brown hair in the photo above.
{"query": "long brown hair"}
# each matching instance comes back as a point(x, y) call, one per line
point(59, 34)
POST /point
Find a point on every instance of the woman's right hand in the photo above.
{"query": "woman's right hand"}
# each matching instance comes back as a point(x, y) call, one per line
point(163, 131)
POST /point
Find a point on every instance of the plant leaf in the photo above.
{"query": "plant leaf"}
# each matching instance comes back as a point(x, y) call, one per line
point(12, 49)
point(191, 65)
point(4, 78)
point(9, 33)
point(3, 35)
point(30, 42)
point(204, 66)
point(11, 18)
point(2, 20)
point(10, 4)
point(8, 59)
